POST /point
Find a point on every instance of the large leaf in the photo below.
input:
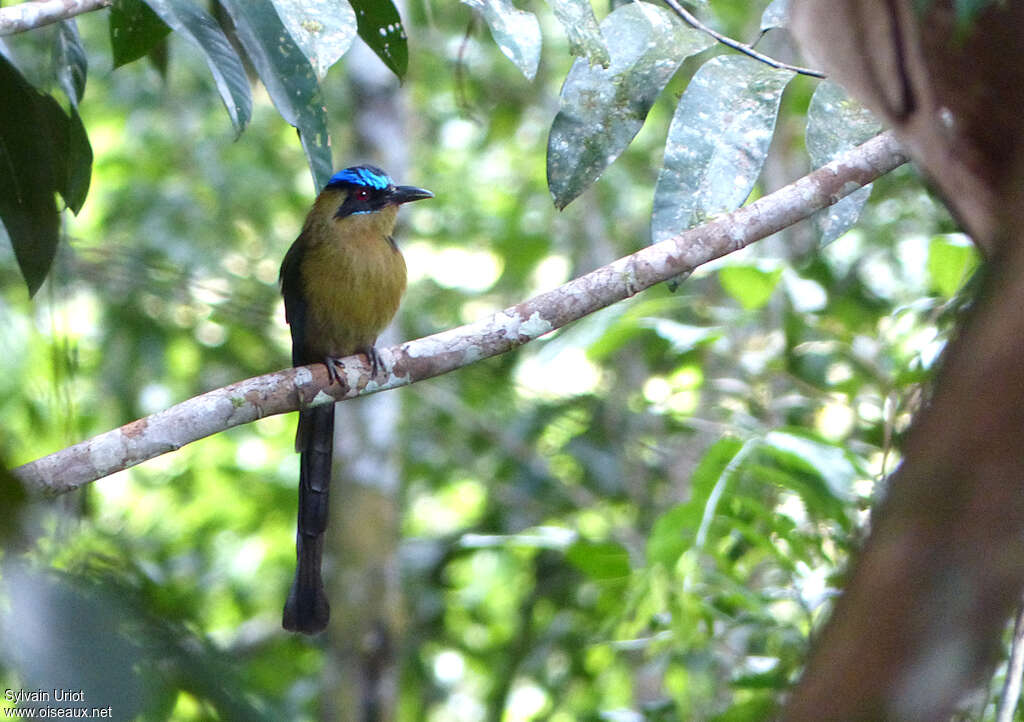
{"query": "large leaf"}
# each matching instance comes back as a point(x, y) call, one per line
point(324, 29)
point(602, 109)
point(72, 156)
point(516, 32)
point(776, 15)
point(288, 77)
point(380, 27)
point(73, 153)
point(134, 30)
point(679, 528)
point(199, 28)
point(70, 61)
point(682, 337)
point(42, 152)
point(829, 463)
point(835, 124)
point(582, 31)
point(717, 142)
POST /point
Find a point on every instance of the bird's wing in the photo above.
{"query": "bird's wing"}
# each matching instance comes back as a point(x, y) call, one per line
point(295, 305)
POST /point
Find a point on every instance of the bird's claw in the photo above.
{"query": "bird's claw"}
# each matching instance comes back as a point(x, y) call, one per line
point(333, 369)
point(334, 365)
point(376, 362)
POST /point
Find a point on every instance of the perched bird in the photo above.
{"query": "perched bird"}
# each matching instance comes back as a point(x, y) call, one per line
point(342, 281)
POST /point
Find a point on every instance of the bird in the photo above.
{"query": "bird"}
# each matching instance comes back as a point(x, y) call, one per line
point(342, 281)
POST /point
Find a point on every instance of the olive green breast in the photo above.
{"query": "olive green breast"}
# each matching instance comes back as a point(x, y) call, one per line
point(353, 278)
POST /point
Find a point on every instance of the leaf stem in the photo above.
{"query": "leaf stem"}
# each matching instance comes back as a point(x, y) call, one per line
point(691, 20)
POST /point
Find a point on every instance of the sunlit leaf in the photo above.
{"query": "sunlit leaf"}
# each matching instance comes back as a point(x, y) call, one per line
point(70, 61)
point(683, 337)
point(288, 77)
point(323, 29)
point(806, 295)
point(827, 460)
point(380, 27)
point(199, 28)
point(516, 32)
point(602, 109)
point(835, 124)
point(134, 30)
point(717, 143)
point(582, 31)
point(749, 285)
point(951, 260)
point(776, 15)
point(605, 561)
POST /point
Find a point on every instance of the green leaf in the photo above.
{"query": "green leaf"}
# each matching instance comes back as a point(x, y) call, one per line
point(749, 285)
point(516, 32)
point(288, 77)
point(951, 260)
point(603, 561)
point(602, 109)
point(835, 124)
point(828, 461)
point(73, 153)
point(70, 61)
point(30, 122)
point(323, 29)
point(380, 27)
point(672, 534)
point(200, 29)
point(581, 29)
point(134, 30)
point(776, 15)
point(682, 337)
point(676, 530)
point(717, 143)
point(72, 157)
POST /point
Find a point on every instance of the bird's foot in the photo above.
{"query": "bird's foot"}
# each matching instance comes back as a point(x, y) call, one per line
point(376, 362)
point(333, 369)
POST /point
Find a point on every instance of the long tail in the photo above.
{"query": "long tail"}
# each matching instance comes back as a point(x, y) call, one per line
point(307, 610)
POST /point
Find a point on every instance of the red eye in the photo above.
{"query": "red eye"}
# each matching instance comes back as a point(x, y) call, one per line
point(362, 194)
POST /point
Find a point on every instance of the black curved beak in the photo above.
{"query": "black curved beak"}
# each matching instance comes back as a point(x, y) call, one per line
point(406, 194)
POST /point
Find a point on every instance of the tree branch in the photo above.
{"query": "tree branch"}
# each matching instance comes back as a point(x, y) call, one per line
point(692, 20)
point(36, 14)
point(280, 392)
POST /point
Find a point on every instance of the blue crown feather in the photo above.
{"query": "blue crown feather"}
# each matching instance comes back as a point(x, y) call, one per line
point(362, 175)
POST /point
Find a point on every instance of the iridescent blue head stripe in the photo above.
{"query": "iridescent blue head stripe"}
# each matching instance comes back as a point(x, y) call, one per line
point(361, 175)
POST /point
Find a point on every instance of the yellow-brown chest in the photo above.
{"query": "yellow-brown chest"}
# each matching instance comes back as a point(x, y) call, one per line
point(353, 278)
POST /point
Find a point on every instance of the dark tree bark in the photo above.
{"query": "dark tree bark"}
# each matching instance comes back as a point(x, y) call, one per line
point(922, 618)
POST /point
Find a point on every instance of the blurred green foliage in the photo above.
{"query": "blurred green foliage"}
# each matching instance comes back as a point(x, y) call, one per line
point(641, 517)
